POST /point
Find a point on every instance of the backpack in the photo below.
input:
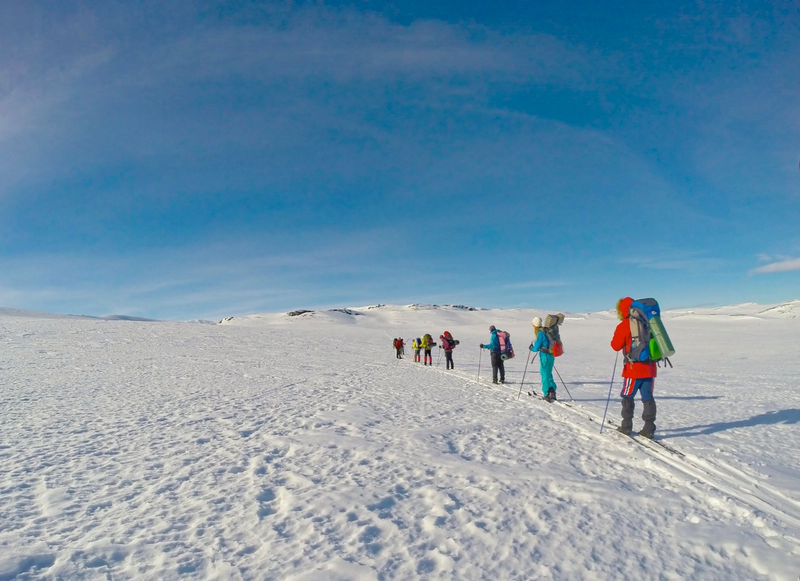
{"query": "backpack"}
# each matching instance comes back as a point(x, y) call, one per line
point(550, 328)
point(448, 343)
point(649, 339)
point(397, 343)
point(506, 350)
point(427, 340)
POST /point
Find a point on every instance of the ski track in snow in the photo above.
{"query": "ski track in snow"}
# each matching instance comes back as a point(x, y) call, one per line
point(133, 450)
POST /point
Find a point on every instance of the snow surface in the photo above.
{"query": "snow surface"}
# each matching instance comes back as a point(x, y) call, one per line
point(299, 448)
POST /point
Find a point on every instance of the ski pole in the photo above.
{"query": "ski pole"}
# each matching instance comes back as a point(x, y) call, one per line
point(613, 373)
point(439, 357)
point(564, 384)
point(479, 364)
point(526, 371)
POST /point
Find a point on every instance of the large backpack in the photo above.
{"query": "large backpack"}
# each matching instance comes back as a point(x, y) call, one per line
point(506, 350)
point(649, 338)
point(550, 328)
point(426, 341)
point(448, 343)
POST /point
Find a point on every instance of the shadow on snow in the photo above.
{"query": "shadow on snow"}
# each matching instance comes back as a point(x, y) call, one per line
point(790, 416)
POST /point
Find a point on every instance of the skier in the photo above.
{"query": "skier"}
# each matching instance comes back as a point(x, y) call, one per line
point(638, 376)
point(546, 360)
point(416, 344)
point(448, 344)
point(398, 345)
point(427, 345)
point(497, 361)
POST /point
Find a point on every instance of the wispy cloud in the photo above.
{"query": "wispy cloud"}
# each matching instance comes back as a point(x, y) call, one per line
point(172, 87)
point(782, 266)
point(675, 263)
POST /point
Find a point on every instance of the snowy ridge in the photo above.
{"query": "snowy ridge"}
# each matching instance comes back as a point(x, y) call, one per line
point(389, 315)
point(122, 318)
point(381, 315)
point(6, 312)
point(787, 310)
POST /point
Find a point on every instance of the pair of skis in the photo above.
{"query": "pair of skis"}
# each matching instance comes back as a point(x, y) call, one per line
point(652, 444)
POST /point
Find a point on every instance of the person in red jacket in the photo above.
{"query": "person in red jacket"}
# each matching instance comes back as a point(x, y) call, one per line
point(638, 377)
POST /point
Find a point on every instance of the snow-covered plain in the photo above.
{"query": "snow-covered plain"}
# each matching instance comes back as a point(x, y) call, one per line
point(299, 448)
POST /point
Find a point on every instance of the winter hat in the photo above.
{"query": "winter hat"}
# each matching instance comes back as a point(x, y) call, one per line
point(537, 322)
point(492, 328)
point(624, 308)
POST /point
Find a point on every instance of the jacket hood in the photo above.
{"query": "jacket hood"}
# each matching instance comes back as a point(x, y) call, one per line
point(624, 307)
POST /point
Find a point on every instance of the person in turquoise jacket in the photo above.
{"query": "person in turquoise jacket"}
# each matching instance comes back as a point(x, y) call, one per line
point(546, 360)
point(494, 352)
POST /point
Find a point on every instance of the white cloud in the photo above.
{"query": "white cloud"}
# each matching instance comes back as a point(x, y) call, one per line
point(783, 266)
point(78, 74)
point(679, 263)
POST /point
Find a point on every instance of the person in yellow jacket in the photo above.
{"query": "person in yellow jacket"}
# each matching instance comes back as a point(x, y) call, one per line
point(427, 345)
point(416, 344)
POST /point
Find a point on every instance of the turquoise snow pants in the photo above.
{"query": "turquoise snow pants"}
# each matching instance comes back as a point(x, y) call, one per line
point(546, 362)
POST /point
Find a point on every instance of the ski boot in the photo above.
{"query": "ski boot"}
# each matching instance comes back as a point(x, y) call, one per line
point(649, 417)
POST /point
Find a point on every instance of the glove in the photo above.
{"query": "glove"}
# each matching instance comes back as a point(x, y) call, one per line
point(481, 345)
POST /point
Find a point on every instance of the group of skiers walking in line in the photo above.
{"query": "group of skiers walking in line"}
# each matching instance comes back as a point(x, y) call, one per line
point(640, 336)
point(426, 344)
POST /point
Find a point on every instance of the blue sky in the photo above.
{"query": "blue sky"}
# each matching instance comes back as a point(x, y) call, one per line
point(206, 159)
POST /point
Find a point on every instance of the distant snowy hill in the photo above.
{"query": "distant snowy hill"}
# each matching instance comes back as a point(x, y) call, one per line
point(122, 318)
point(42, 315)
point(787, 310)
point(399, 315)
point(6, 312)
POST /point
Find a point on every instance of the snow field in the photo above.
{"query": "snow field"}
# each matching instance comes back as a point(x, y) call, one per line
point(301, 449)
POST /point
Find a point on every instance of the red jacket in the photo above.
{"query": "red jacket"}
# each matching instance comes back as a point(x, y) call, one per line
point(622, 340)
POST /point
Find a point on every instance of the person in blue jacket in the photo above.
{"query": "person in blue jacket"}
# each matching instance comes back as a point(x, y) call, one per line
point(546, 360)
point(494, 351)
